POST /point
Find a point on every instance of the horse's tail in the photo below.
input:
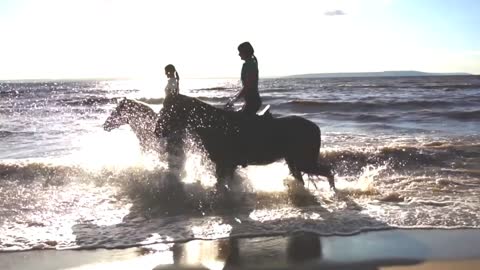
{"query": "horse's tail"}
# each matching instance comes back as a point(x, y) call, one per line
point(321, 169)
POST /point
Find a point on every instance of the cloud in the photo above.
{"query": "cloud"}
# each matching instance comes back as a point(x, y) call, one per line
point(336, 12)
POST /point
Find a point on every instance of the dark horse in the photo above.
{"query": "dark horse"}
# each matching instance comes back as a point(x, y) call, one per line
point(234, 139)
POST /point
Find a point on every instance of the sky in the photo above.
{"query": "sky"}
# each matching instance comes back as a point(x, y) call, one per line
point(55, 39)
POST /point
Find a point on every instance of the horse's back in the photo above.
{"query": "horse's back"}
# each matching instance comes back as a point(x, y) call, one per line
point(274, 138)
point(297, 125)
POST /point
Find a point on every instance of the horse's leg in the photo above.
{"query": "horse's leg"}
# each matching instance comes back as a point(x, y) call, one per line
point(297, 174)
point(219, 173)
point(176, 154)
point(326, 171)
point(224, 173)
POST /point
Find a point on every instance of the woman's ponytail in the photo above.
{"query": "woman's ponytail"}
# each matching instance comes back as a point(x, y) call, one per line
point(178, 81)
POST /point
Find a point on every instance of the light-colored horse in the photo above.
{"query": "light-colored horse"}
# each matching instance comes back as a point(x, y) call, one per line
point(142, 120)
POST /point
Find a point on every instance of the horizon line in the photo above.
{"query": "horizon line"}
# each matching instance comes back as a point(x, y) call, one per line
point(233, 77)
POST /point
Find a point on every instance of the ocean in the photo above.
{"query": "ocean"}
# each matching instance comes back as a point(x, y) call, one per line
point(406, 154)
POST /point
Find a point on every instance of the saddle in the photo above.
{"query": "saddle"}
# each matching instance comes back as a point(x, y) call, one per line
point(265, 113)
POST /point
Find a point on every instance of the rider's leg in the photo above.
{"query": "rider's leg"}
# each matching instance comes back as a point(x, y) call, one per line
point(251, 107)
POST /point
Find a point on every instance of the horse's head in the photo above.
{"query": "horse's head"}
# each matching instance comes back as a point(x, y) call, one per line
point(118, 117)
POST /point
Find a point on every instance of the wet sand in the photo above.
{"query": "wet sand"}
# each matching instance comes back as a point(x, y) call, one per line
point(390, 249)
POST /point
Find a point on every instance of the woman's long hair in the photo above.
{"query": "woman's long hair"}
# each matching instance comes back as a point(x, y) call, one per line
point(247, 48)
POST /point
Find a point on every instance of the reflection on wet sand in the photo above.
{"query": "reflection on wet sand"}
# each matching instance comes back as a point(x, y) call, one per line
point(295, 249)
point(302, 247)
point(208, 254)
point(298, 250)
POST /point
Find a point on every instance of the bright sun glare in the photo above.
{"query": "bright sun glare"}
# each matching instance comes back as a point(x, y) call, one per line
point(116, 149)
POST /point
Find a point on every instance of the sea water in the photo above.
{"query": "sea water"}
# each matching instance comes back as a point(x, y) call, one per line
point(406, 154)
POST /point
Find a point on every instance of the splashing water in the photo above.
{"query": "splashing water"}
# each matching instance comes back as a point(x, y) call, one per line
point(406, 157)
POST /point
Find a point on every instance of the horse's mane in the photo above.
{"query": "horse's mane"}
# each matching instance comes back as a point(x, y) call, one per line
point(179, 100)
point(181, 110)
point(192, 102)
point(139, 102)
point(139, 105)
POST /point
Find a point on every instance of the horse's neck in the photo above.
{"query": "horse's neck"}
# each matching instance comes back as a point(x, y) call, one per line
point(193, 113)
point(142, 122)
point(202, 115)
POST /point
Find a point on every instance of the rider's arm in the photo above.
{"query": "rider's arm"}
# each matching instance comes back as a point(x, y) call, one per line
point(248, 83)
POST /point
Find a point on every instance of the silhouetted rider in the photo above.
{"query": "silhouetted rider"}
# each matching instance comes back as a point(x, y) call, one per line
point(249, 77)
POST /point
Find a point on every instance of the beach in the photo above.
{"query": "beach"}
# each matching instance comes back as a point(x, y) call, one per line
point(405, 153)
point(390, 249)
point(256, 135)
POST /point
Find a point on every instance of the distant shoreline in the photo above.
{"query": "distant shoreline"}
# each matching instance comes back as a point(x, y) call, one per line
point(375, 74)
